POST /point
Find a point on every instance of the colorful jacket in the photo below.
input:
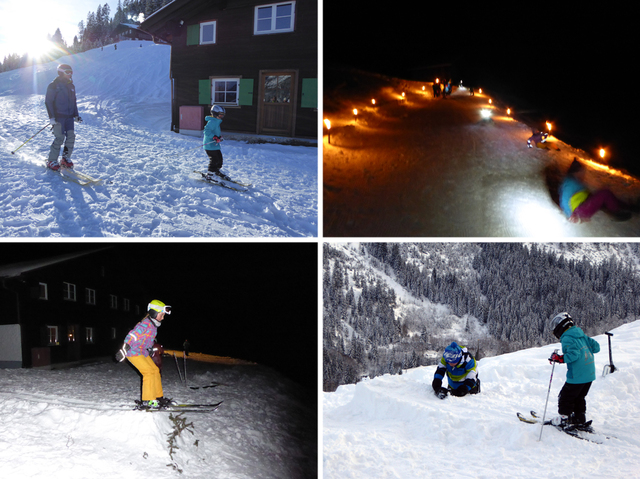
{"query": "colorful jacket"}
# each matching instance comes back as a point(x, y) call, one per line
point(572, 194)
point(141, 338)
point(578, 350)
point(463, 374)
point(211, 129)
point(60, 99)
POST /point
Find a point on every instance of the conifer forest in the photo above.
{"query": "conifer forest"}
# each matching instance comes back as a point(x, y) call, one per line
point(394, 306)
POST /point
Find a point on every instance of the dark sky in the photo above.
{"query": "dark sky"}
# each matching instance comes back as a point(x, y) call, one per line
point(575, 63)
point(254, 301)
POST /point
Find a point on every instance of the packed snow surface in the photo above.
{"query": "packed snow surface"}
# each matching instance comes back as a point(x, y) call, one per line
point(394, 426)
point(72, 424)
point(415, 165)
point(124, 98)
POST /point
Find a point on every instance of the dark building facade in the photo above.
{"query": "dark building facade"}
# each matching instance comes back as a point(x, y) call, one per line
point(67, 308)
point(258, 60)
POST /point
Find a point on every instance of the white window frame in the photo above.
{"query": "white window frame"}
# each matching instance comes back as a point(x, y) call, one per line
point(69, 291)
point(274, 18)
point(126, 304)
point(88, 335)
point(54, 339)
point(113, 301)
point(44, 291)
point(90, 296)
point(215, 32)
point(214, 101)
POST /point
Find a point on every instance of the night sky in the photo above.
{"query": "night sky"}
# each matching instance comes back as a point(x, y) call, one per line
point(573, 64)
point(252, 301)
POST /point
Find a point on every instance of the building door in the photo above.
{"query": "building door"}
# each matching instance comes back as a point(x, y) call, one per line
point(278, 98)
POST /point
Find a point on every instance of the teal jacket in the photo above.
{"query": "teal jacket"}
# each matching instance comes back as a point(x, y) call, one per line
point(578, 350)
point(211, 129)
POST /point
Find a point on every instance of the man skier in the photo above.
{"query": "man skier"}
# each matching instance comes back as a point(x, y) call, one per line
point(460, 368)
point(60, 101)
point(578, 350)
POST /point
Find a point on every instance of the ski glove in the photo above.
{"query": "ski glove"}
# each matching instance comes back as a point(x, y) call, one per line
point(441, 393)
point(78, 119)
point(556, 358)
point(122, 352)
point(53, 121)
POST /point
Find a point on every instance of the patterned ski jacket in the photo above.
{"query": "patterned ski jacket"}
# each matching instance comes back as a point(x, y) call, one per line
point(464, 374)
point(141, 338)
point(578, 350)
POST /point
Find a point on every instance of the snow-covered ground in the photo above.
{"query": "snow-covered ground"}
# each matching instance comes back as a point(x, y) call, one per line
point(415, 166)
point(67, 424)
point(124, 99)
point(394, 426)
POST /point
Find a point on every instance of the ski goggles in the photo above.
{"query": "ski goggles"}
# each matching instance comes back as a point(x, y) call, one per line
point(165, 309)
point(66, 72)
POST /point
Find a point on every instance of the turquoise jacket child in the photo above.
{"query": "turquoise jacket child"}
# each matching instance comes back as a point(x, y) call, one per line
point(578, 350)
point(211, 129)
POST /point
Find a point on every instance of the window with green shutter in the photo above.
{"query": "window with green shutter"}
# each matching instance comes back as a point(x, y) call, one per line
point(246, 92)
point(204, 92)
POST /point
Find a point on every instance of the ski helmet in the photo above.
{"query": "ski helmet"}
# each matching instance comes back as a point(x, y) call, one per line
point(453, 353)
point(64, 68)
point(217, 110)
point(156, 306)
point(560, 323)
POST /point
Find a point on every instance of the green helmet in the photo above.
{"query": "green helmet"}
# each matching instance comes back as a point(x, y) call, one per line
point(156, 306)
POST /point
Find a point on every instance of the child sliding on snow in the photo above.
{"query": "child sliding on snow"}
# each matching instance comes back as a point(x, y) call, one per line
point(211, 143)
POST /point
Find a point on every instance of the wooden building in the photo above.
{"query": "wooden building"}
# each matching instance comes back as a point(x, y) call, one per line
point(258, 60)
point(66, 309)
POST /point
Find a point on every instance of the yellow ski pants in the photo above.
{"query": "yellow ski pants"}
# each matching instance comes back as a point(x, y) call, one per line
point(151, 380)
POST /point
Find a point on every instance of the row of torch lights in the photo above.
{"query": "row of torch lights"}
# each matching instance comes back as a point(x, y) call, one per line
point(602, 151)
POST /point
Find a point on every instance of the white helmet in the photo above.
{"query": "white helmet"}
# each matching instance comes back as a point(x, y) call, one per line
point(560, 323)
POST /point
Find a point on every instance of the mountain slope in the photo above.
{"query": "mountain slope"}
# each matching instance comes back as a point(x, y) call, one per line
point(124, 99)
point(393, 426)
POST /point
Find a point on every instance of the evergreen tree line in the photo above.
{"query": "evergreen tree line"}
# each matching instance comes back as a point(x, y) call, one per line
point(95, 32)
point(512, 289)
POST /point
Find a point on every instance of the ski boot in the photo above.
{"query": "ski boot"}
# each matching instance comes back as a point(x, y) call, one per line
point(152, 404)
point(165, 402)
point(66, 161)
point(53, 165)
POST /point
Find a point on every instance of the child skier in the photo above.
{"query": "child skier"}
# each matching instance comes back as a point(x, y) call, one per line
point(578, 350)
point(460, 368)
point(136, 348)
point(211, 143)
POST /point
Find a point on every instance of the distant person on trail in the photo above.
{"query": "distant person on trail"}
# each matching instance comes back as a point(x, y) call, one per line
point(436, 89)
point(579, 204)
point(60, 101)
point(460, 368)
point(578, 350)
point(185, 347)
point(211, 143)
point(539, 140)
point(137, 347)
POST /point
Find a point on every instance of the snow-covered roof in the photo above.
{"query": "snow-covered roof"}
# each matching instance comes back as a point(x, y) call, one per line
point(16, 269)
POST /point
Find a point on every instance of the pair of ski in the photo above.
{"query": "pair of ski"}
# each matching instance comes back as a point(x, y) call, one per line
point(179, 407)
point(584, 432)
point(226, 182)
point(75, 176)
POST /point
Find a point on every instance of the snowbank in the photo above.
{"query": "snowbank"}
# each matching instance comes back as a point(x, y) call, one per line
point(393, 426)
point(72, 424)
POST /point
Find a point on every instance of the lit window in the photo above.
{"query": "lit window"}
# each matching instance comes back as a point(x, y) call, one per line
point(52, 333)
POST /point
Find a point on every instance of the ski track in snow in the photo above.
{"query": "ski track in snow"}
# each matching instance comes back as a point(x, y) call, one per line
point(394, 426)
point(150, 188)
point(65, 424)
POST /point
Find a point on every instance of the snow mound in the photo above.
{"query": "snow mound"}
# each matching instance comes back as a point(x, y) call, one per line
point(393, 426)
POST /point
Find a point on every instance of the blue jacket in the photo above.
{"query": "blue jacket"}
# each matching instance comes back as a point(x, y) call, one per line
point(572, 194)
point(211, 129)
point(578, 350)
point(462, 374)
point(61, 99)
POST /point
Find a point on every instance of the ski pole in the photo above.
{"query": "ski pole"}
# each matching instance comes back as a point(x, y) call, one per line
point(184, 356)
point(544, 415)
point(177, 366)
point(14, 151)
